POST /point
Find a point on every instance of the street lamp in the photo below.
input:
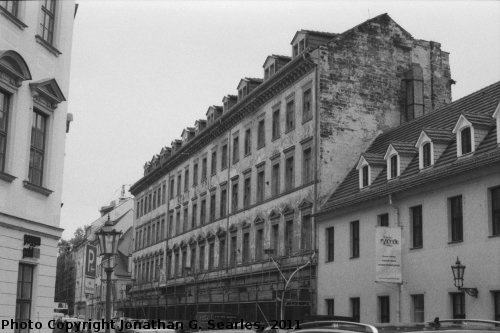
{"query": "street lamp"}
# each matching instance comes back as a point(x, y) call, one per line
point(458, 276)
point(108, 246)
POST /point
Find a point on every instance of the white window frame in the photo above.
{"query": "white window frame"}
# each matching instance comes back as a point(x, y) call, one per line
point(422, 140)
point(462, 124)
point(388, 156)
point(361, 164)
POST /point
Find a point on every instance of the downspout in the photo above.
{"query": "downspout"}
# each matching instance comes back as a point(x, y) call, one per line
point(400, 285)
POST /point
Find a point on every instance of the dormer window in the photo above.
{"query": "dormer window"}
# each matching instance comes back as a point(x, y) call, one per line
point(394, 166)
point(466, 140)
point(365, 176)
point(426, 153)
point(299, 47)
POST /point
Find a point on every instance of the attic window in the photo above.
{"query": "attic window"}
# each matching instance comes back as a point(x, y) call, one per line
point(365, 176)
point(426, 155)
point(299, 47)
point(466, 140)
point(393, 167)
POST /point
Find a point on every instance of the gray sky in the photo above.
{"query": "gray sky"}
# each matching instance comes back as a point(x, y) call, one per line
point(144, 70)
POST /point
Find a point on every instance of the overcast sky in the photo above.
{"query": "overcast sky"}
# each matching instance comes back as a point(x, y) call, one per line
point(143, 70)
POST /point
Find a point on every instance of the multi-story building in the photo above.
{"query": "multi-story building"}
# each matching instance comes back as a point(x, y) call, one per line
point(90, 290)
point(65, 278)
point(226, 211)
point(435, 181)
point(35, 54)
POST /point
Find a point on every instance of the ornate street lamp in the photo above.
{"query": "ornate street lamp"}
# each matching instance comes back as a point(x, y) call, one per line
point(458, 279)
point(108, 246)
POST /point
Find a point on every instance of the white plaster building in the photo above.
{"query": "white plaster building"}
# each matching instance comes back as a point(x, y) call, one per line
point(443, 191)
point(35, 53)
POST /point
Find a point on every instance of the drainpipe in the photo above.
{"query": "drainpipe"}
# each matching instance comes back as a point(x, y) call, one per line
point(400, 285)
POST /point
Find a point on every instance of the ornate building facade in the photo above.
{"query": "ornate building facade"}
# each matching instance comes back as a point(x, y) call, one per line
point(35, 54)
point(224, 215)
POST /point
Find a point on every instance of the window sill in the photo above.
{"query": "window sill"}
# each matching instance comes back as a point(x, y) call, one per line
point(6, 177)
point(36, 188)
point(494, 236)
point(275, 138)
point(306, 120)
point(247, 154)
point(261, 146)
point(48, 46)
point(416, 248)
point(455, 242)
point(353, 258)
point(289, 130)
point(20, 24)
point(223, 168)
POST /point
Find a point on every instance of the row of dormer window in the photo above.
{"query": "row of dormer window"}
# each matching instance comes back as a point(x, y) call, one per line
point(430, 145)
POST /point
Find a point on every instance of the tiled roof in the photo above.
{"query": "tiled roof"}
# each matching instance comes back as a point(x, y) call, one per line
point(478, 108)
point(404, 147)
point(374, 159)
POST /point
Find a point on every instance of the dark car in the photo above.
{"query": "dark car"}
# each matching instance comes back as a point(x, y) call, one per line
point(448, 326)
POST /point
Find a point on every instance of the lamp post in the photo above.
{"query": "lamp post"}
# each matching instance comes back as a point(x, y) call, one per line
point(287, 281)
point(108, 245)
point(458, 271)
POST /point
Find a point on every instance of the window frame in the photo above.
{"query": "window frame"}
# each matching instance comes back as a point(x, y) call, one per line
point(417, 310)
point(416, 221)
point(40, 150)
point(354, 239)
point(261, 134)
point(275, 133)
point(384, 309)
point(494, 200)
point(5, 109)
point(456, 222)
point(290, 114)
point(49, 13)
point(458, 310)
point(307, 113)
point(330, 244)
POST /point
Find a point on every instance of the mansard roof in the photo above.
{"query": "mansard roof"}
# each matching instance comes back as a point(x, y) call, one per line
point(478, 106)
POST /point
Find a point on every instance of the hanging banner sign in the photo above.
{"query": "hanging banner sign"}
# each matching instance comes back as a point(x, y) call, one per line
point(388, 255)
point(90, 261)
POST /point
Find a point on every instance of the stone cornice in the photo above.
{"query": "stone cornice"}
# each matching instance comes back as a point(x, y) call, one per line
point(289, 74)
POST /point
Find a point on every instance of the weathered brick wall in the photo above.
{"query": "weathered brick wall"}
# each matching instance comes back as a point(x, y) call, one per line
point(361, 74)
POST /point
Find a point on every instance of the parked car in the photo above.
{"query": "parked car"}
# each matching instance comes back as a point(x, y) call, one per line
point(334, 326)
point(448, 326)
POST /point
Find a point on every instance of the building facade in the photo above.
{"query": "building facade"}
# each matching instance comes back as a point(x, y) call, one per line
point(35, 54)
point(90, 286)
point(224, 215)
point(436, 181)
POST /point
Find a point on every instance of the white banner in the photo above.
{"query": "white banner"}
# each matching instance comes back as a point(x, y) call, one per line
point(388, 255)
point(89, 285)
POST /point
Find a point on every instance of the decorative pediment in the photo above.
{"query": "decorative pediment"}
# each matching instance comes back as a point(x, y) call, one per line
point(201, 238)
point(13, 68)
point(210, 235)
point(461, 123)
point(496, 115)
point(274, 214)
point(47, 93)
point(192, 240)
point(400, 148)
point(287, 210)
point(245, 224)
point(183, 243)
point(258, 220)
point(233, 228)
point(304, 204)
point(220, 232)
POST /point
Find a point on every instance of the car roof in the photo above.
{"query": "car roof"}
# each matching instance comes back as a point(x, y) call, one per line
point(348, 326)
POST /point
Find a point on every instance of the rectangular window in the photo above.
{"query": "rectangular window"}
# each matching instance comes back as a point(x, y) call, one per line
point(223, 202)
point(418, 308)
point(211, 256)
point(194, 212)
point(37, 148)
point(365, 175)
point(248, 142)
point(384, 309)
point(153, 233)
point(234, 196)
point(330, 244)
point(222, 252)
point(495, 210)
point(162, 234)
point(178, 229)
point(202, 257)
point(212, 207)
point(179, 184)
point(275, 238)
point(149, 236)
point(246, 247)
point(186, 179)
point(224, 157)
point(10, 6)
point(426, 155)
point(330, 306)
point(383, 220)
point(496, 305)
point(203, 211)
point(172, 184)
point(456, 219)
point(158, 196)
point(289, 237)
point(306, 232)
point(275, 180)
point(164, 193)
point(261, 134)
point(170, 230)
point(195, 174)
point(355, 308)
point(236, 149)
point(154, 200)
point(276, 124)
point(355, 239)
point(185, 219)
point(290, 115)
point(234, 253)
point(259, 244)
point(214, 162)
point(458, 305)
point(24, 294)
point(306, 105)
point(416, 227)
point(47, 20)
point(289, 173)
point(247, 192)
point(169, 265)
point(203, 169)
point(260, 185)
point(4, 118)
point(307, 166)
point(466, 139)
point(177, 264)
point(184, 262)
